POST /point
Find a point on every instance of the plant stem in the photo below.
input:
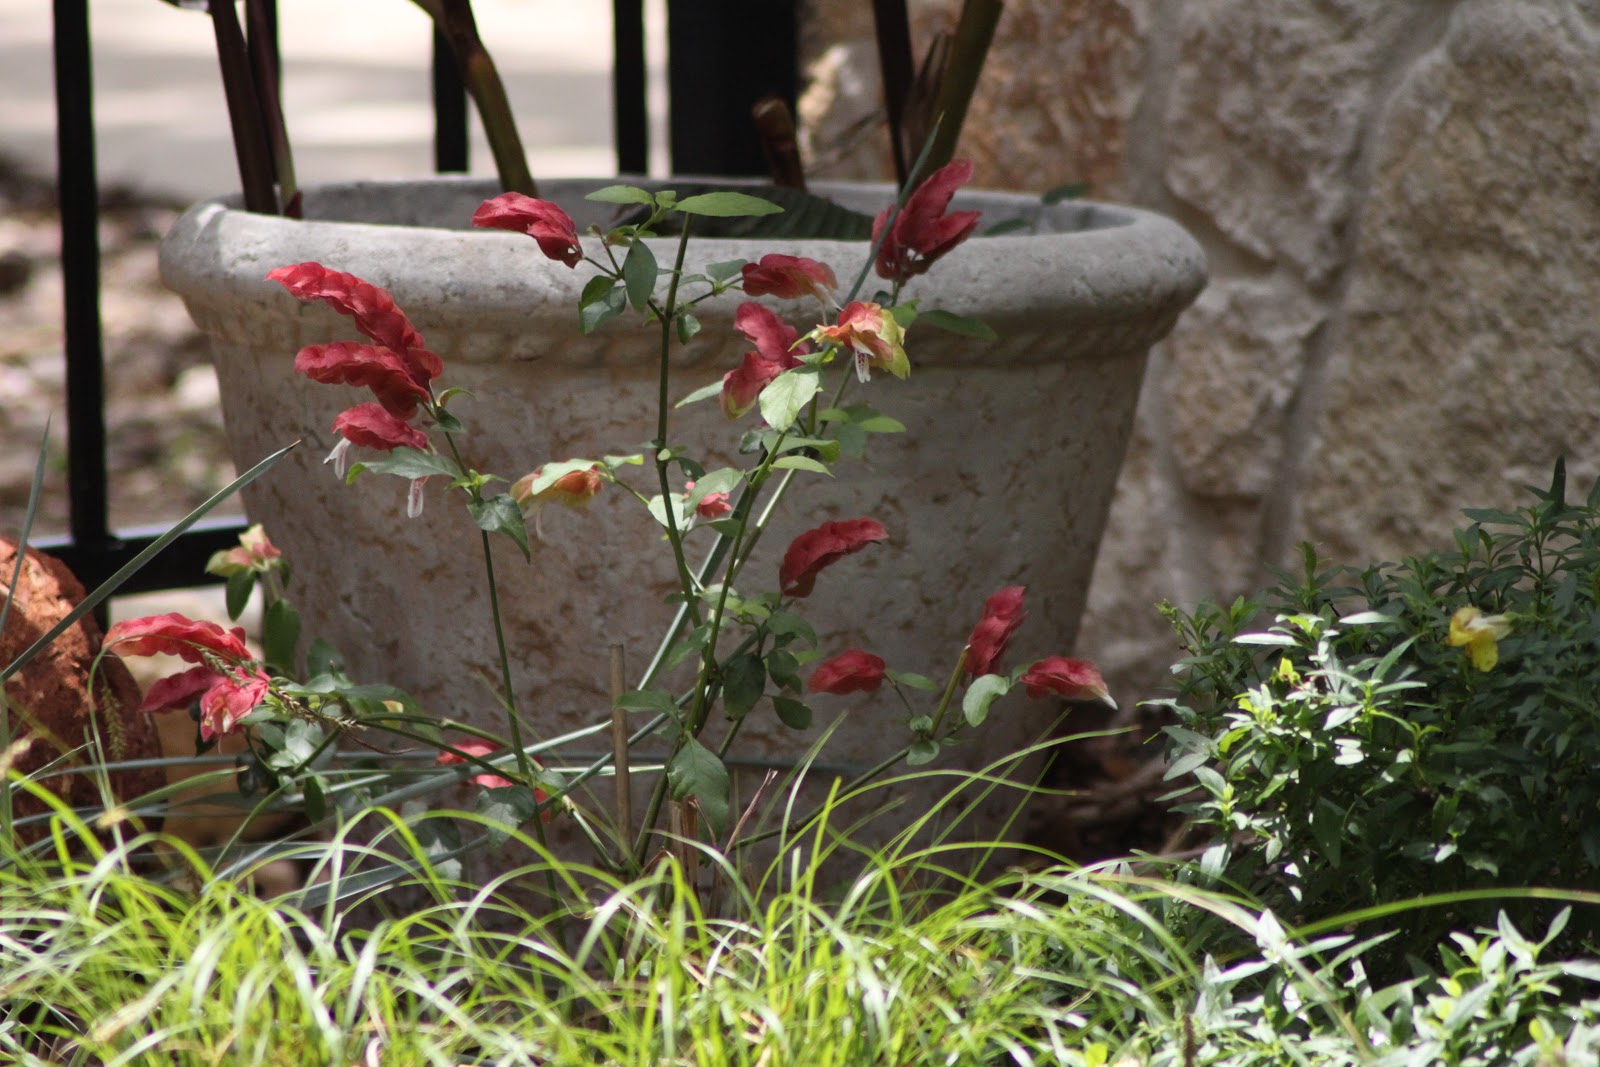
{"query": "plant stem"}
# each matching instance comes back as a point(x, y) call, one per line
point(974, 34)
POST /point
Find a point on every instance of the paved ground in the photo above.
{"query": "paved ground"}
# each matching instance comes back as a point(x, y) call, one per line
point(355, 85)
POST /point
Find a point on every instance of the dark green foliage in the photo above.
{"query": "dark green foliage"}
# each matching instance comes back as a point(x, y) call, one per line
point(1351, 757)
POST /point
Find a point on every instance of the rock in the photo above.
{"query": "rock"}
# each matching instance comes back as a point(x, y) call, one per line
point(1471, 354)
point(54, 709)
point(1265, 114)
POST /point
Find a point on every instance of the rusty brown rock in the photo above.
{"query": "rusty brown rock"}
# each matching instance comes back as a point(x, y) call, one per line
point(51, 707)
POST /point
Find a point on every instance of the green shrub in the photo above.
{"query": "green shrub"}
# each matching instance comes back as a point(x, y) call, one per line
point(1351, 756)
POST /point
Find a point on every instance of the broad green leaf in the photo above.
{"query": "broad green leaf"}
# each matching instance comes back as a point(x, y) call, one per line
point(803, 463)
point(687, 326)
point(500, 514)
point(648, 700)
point(913, 681)
point(639, 275)
point(705, 392)
point(323, 658)
point(695, 771)
point(787, 626)
point(280, 634)
point(785, 669)
point(792, 713)
point(725, 269)
point(301, 740)
point(923, 752)
point(448, 422)
point(721, 480)
point(316, 798)
point(958, 324)
point(622, 194)
point(787, 395)
point(240, 586)
point(505, 809)
point(744, 680)
point(593, 316)
point(727, 204)
point(406, 462)
point(983, 691)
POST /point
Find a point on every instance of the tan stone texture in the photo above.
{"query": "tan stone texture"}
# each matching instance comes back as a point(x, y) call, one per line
point(1235, 365)
point(1052, 106)
point(1264, 116)
point(51, 709)
point(1471, 356)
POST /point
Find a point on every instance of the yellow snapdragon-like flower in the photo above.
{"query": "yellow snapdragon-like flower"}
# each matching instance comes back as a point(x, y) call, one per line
point(1480, 634)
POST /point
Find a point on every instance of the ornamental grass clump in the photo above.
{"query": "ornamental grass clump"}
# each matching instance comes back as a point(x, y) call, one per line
point(1362, 738)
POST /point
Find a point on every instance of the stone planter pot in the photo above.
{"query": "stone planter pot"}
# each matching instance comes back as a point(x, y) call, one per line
point(1006, 476)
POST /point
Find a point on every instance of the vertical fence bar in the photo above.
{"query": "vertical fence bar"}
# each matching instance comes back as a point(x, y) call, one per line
point(78, 193)
point(629, 87)
point(450, 146)
point(723, 56)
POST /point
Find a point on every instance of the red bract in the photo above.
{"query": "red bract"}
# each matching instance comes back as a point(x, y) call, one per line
point(815, 549)
point(1074, 679)
point(922, 232)
point(177, 635)
point(391, 380)
point(1002, 614)
point(712, 505)
point(370, 426)
point(871, 335)
point(853, 671)
point(225, 697)
point(372, 308)
point(546, 223)
point(777, 344)
point(789, 277)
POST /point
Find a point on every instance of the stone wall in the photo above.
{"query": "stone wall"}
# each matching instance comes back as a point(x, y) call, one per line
point(1401, 206)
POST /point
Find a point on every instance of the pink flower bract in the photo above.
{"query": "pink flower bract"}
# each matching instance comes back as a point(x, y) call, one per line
point(225, 697)
point(546, 223)
point(177, 635)
point(573, 489)
point(872, 336)
point(371, 426)
point(369, 366)
point(710, 506)
point(777, 345)
point(852, 671)
point(1074, 679)
point(375, 313)
point(815, 549)
point(789, 277)
point(479, 747)
point(922, 232)
point(1002, 614)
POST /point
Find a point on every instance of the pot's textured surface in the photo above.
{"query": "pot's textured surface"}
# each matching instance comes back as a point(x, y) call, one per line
point(1005, 476)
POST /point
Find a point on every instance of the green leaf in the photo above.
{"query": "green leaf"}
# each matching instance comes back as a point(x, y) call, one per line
point(980, 694)
point(792, 713)
point(301, 740)
point(500, 514)
point(958, 324)
point(1000, 229)
point(787, 626)
point(622, 194)
point(448, 422)
point(240, 585)
point(648, 700)
point(406, 462)
point(639, 275)
point(725, 269)
point(787, 395)
point(316, 798)
point(923, 752)
point(608, 303)
point(913, 681)
point(687, 326)
point(785, 669)
point(505, 809)
point(280, 633)
point(695, 771)
point(744, 680)
point(323, 658)
point(727, 204)
point(721, 480)
point(803, 463)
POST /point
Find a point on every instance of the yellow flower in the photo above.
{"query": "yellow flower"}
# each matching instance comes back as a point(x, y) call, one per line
point(1481, 634)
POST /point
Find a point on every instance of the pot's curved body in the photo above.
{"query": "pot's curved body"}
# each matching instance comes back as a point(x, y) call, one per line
point(1005, 477)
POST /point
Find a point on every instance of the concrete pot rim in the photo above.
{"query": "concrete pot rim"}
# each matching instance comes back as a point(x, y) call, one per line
point(1089, 260)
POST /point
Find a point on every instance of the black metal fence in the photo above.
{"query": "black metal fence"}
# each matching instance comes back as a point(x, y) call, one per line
point(723, 55)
